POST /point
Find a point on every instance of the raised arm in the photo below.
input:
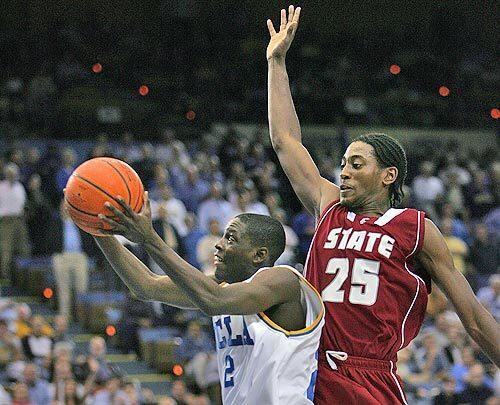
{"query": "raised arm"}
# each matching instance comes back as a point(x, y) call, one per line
point(478, 322)
point(314, 191)
point(141, 281)
point(270, 288)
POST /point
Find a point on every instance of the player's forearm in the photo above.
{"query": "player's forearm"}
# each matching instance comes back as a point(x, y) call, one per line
point(283, 119)
point(486, 332)
point(138, 278)
point(201, 290)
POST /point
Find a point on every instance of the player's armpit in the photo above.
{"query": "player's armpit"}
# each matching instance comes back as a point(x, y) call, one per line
point(270, 287)
point(436, 258)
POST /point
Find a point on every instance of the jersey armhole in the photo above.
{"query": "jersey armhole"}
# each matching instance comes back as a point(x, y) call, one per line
point(325, 210)
point(420, 231)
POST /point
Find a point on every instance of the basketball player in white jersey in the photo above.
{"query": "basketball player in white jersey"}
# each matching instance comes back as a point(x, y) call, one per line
point(267, 320)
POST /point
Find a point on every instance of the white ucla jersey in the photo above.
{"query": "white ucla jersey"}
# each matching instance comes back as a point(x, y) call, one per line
point(261, 363)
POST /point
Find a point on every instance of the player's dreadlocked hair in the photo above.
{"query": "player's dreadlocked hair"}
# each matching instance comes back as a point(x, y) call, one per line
point(389, 152)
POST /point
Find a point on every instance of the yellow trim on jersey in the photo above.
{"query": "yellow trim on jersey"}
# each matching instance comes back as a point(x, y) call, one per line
point(305, 330)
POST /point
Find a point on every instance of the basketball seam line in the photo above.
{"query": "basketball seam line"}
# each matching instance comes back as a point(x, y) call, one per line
point(124, 181)
point(97, 187)
point(79, 210)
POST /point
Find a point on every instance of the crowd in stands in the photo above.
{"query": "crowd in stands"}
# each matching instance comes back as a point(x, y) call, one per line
point(220, 74)
point(195, 188)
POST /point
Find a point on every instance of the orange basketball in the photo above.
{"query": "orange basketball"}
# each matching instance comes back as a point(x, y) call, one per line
point(95, 182)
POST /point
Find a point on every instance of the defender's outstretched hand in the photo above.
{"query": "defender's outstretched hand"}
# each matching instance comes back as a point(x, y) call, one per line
point(280, 41)
point(135, 227)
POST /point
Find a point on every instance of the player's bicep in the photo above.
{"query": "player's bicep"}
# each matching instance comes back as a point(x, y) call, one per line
point(304, 175)
point(267, 289)
point(436, 258)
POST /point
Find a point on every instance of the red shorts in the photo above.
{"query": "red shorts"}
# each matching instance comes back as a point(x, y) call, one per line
point(358, 381)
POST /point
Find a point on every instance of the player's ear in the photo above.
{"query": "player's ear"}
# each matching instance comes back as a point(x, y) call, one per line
point(389, 175)
point(261, 255)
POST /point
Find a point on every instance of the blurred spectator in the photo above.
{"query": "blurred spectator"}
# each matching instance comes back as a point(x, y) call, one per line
point(291, 240)
point(193, 342)
point(128, 150)
point(145, 167)
point(448, 395)
point(489, 296)
point(13, 231)
point(38, 389)
point(70, 262)
point(192, 190)
point(458, 226)
point(479, 197)
point(458, 248)
point(36, 345)
point(304, 225)
point(174, 209)
point(485, 254)
point(215, 206)
point(459, 371)
point(61, 329)
point(180, 393)
point(454, 194)
point(476, 391)
point(168, 232)
point(97, 351)
point(39, 217)
point(191, 240)
point(20, 394)
point(9, 343)
point(427, 189)
point(461, 175)
point(206, 247)
point(431, 358)
point(67, 165)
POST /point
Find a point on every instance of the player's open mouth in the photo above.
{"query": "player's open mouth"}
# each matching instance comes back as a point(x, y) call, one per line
point(218, 259)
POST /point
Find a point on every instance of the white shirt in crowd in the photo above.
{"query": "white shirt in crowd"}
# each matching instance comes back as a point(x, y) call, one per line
point(12, 198)
point(176, 213)
point(427, 189)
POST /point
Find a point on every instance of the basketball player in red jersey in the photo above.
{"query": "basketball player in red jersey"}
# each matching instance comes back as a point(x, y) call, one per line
point(363, 254)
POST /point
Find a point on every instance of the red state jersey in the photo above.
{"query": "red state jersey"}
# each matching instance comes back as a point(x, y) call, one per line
point(363, 268)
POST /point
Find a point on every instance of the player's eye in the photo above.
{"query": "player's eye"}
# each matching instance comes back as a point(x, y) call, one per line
point(231, 238)
point(356, 165)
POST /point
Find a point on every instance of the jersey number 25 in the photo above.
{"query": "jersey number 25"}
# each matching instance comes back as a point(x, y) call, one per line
point(364, 281)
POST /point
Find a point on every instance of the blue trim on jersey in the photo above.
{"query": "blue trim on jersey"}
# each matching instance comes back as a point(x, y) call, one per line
point(312, 385)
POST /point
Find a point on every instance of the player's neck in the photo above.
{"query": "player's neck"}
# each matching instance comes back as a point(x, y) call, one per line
point(372, 209)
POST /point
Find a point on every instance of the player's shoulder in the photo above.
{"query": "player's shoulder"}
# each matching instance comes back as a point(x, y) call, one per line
point(281, 275)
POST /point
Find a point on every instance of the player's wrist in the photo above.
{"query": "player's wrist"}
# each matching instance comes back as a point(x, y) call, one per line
point(276, 61)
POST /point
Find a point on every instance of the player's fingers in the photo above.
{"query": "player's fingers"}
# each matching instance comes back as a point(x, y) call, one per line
point(146, 206)
point(115, 211)
point(270, 27)
point(128, 210)
point(296, 15)
point(291, 29)
point(283, 19)
point(291, 10)
point(109, 221)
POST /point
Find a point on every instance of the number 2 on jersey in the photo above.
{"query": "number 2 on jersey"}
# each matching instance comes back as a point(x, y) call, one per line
point(228, 379)
point(364, 281)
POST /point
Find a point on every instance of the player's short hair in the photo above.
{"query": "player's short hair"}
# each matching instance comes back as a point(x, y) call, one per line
point(389, 153)
point(262, 230)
